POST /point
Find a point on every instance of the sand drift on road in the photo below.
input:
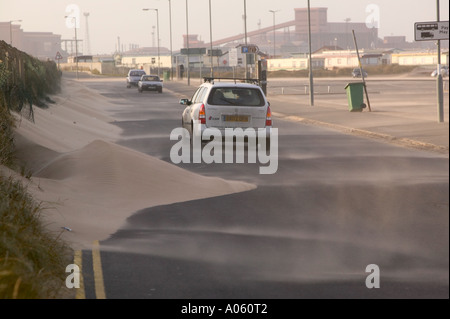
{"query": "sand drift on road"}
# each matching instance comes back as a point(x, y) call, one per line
point(89, 184)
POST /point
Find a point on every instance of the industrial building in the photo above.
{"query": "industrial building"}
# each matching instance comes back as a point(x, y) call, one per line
point(42, 45)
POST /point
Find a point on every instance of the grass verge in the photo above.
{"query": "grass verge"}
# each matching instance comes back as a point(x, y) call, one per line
point(32, 260)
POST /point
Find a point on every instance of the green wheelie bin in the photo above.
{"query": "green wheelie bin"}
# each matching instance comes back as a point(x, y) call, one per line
point(166, 75)
point(355, 96)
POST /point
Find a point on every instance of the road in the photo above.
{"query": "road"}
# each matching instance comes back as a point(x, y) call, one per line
point(337, 204)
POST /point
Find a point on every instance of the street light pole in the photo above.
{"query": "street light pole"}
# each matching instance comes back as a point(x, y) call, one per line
point(76, 45)
point(311, 81)
point(245, 34)
point(274, 38)
point(157, 34)
point(10, 30)
point(210, 40)
point(440, 83)
point(171, 49)
point(187, 44)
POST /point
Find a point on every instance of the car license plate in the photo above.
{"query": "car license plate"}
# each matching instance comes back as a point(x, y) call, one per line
point(235, 118)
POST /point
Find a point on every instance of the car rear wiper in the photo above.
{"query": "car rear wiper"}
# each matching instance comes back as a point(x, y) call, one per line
point(228, 101)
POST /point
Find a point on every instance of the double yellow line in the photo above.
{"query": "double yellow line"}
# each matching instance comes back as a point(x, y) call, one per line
point(98, 272)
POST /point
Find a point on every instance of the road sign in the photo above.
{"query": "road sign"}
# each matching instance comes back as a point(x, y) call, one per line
point(233, 56)
point(249, 49)
point(193, 51)
point(58, 56)
point(431, 31)
point(215, 52)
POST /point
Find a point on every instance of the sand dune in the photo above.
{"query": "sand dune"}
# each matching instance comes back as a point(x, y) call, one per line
point(79, 117)
point(88, 183)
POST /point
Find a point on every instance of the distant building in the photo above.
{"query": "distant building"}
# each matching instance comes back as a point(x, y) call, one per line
point(42, 45)
point(292, 36)
point(194, 41)
point(324, 33)
point(419, 58)
point(146, 56)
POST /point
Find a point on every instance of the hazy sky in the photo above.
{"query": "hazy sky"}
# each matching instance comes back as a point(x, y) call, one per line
point(125, 19)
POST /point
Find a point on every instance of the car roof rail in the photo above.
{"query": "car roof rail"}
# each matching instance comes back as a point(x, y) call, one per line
point(241, 80)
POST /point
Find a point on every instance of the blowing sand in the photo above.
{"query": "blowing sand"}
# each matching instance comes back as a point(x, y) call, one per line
point(89, 184)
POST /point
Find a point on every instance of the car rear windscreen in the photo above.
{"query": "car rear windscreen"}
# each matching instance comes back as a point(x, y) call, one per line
point(236, 97)
point(151, 78)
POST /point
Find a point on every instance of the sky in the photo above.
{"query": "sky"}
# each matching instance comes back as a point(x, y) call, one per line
point(110, 19)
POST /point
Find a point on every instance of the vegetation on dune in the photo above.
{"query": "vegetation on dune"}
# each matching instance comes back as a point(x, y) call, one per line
point(6, 138)
point(25, 81)
point(32, 260)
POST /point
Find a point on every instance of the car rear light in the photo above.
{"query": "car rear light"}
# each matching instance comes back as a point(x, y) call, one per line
point(202, 114)
point(269, 117)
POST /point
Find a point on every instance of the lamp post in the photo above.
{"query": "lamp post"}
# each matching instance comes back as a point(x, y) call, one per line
point(311, 81)
point(274, 38)
point(210, 39)
point(440, 83)
point(76, 43)
point(187, 44)
point(245, 35)
point(10, 30)
point(157, 34)
point(171, 50)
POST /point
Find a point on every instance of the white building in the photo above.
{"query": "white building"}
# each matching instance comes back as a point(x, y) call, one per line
point(419, 58)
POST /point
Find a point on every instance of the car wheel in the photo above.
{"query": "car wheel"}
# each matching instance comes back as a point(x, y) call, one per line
point(160, 90)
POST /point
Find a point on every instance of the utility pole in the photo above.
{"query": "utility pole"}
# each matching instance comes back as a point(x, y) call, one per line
point(171, 49)
point(274, 36)
point(210, 40)
point(246, 43)
point(76, 46)
point(311, 81)
point(76, 42)
point(439, 81)
point(157, 36)
point(187, 44)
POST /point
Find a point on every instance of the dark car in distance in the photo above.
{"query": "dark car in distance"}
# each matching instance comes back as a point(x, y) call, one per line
point(150, 83)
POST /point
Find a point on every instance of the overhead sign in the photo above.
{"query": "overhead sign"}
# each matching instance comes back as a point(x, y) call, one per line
point(193, 51)
point(215, 52)
point(431, 31)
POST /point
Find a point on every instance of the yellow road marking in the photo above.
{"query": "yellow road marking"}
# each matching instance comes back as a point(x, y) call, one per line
point(98, 272)
point(77, 260)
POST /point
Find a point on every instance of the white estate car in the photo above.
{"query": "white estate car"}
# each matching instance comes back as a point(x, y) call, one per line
point(133, 77)
point(223, 105)
point(444, 71)
point(150, 83)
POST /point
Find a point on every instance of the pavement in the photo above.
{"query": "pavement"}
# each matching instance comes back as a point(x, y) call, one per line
point(397, 117)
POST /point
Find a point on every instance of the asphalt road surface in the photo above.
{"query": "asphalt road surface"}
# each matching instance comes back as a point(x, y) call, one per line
point(337, 204)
